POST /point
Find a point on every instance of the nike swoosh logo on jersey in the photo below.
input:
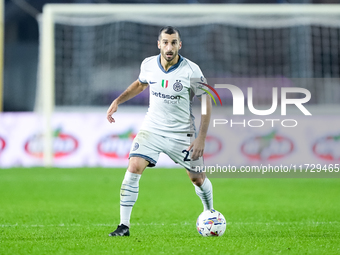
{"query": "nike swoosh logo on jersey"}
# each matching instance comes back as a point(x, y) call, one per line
point(153, 82)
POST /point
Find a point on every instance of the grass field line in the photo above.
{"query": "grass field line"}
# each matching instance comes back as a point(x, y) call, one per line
point(165, 224)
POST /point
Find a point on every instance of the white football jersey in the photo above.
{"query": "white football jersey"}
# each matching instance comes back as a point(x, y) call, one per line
point(171, 94)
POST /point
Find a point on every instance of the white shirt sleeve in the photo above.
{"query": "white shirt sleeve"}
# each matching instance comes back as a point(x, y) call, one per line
point(195, 82)
point(142, 75)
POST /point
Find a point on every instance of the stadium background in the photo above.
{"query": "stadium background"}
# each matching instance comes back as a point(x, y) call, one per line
point(21, 46)
point(96, 58)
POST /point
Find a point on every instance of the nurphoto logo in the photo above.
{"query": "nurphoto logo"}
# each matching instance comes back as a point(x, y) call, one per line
point(239, 99)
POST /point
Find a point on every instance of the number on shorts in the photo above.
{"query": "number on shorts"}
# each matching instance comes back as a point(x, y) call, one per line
point(186, 155)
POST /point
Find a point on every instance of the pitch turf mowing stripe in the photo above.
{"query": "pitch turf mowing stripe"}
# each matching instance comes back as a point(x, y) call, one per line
point(72, 211)
point(170, 224)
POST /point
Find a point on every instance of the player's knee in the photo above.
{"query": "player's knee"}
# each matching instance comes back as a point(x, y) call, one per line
point(198, 181)
point(196, 178)
point(136, 166)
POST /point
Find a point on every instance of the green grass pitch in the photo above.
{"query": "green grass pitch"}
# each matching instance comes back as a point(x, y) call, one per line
point(72, 211)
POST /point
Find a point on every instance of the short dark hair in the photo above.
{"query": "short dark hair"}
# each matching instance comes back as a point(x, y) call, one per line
point(169, 30)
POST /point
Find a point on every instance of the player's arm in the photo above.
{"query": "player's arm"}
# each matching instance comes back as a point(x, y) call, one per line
point(133, 90)
point(198, 144)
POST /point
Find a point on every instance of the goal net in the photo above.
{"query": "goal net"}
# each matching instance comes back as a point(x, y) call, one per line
point(91, 53)
point(98, 54)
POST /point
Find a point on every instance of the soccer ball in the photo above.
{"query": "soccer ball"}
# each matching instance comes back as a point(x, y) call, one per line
point(211, 223)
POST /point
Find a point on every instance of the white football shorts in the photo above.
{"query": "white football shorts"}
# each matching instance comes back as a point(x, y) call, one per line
point(149, 145)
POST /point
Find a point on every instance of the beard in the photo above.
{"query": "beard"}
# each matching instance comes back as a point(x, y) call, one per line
point(169, 56)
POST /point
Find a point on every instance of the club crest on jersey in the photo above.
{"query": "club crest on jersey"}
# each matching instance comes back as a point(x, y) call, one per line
point(165, 83)
point(178, 86)
point(135, 147)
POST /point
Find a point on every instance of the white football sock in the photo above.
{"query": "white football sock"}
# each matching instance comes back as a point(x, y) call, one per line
point(128, 196)
point(205, 193)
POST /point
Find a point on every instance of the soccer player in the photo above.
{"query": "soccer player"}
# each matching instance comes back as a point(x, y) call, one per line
point(168, 126)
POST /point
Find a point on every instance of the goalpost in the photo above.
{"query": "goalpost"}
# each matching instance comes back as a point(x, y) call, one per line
point(84, 47)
